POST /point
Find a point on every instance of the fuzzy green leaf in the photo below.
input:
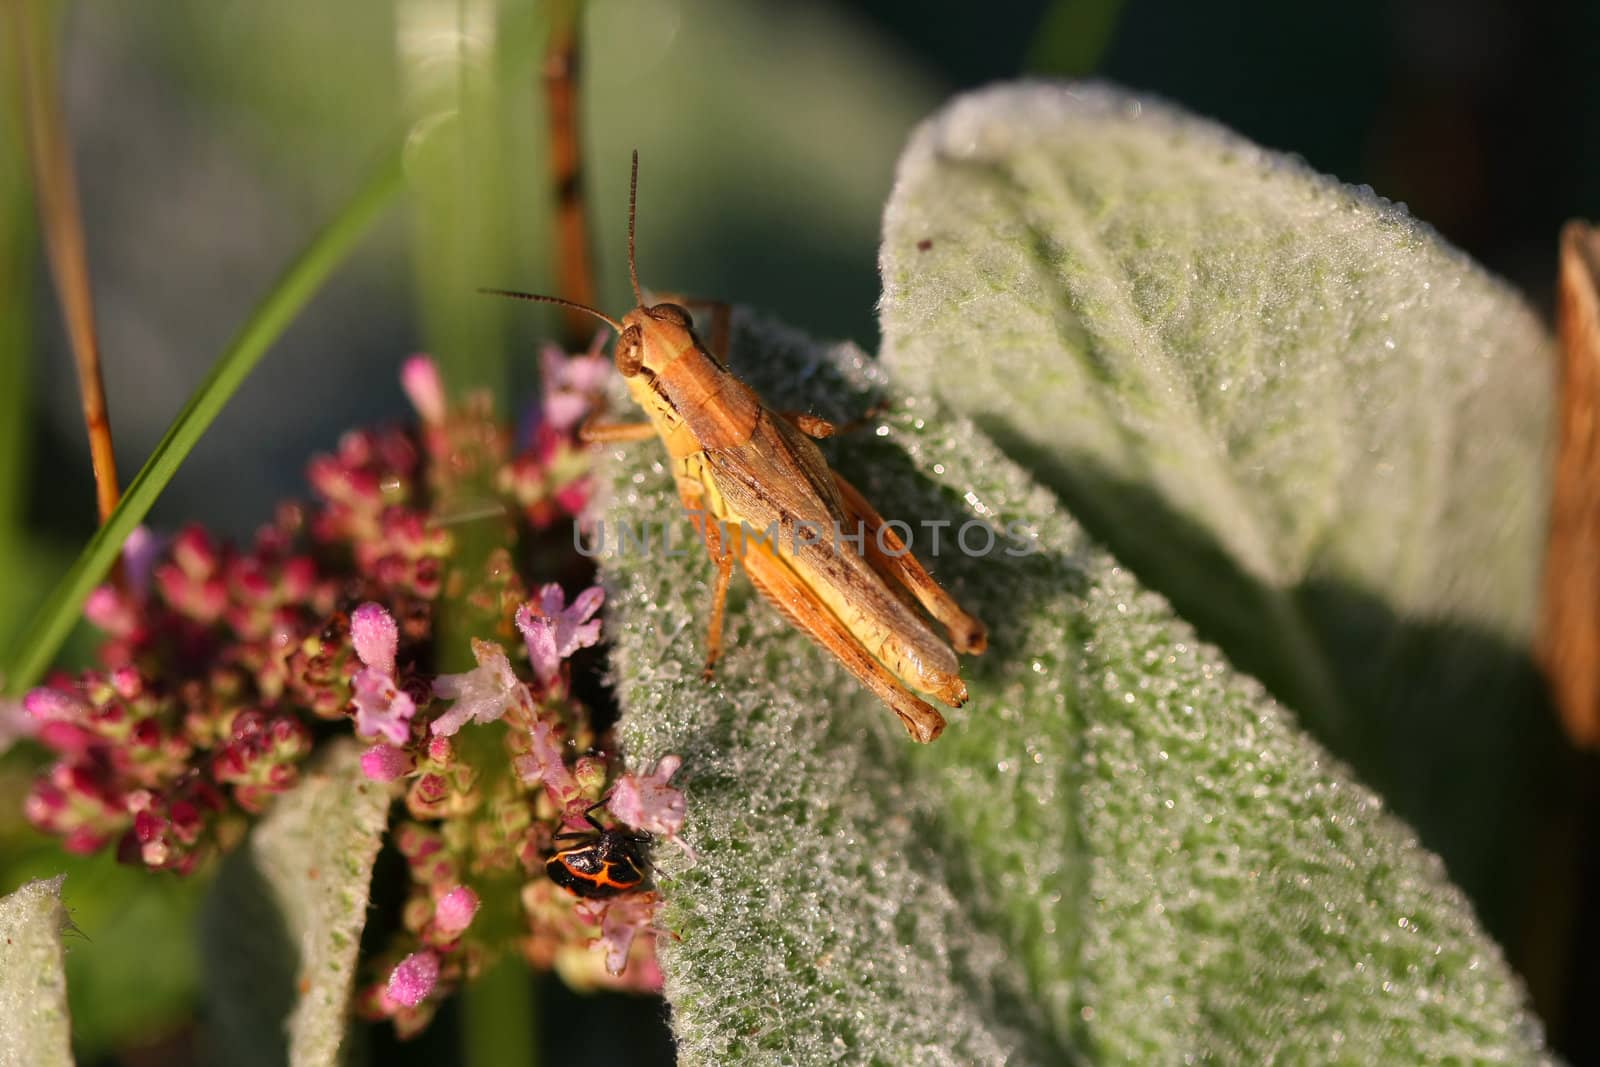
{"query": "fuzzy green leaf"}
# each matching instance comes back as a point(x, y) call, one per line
point(282, 926)
point(1120, 848)
point(1284, 403)
point(34, 1027)
point(132, 963)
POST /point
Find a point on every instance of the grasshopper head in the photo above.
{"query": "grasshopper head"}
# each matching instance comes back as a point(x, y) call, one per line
point(652, 336)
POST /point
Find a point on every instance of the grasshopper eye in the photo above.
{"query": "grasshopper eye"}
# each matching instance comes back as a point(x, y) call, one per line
point(630, 352)
point(671, 313)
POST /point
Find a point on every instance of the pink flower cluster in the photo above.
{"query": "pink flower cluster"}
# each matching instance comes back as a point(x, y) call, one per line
point(186, 729)
point(222, 667)
point(551, 477)
point(558, 770)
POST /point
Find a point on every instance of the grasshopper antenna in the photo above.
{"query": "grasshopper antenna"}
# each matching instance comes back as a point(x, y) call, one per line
point(542, 299)
point(633, 200)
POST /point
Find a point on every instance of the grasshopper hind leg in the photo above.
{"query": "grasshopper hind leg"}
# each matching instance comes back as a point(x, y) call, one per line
point(722, 556)
point(799, 605)
point(722, 553)
point(889, 556)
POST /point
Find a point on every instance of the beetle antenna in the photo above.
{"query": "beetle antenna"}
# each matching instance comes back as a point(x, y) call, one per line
point(633, 200)
point(542, 299)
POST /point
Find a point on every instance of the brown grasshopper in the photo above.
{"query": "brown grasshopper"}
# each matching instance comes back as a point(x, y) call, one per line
point(741, 467)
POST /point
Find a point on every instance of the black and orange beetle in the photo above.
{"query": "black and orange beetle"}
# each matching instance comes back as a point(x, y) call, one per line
point(607, 864)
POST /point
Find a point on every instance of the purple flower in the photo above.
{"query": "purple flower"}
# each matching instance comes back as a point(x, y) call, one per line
point(570, 385)
point(383, 709)
point(545, 763)
point(413, 978)
point(419, 377)
point(553, 631)
point(481, 695)
point(385, 763)
point(49, 704)
point(455, 910)
point(16, 722)
point(109, 610)
point(120, 609)
point(139, 555)
point(646, 802)
point(621, 920)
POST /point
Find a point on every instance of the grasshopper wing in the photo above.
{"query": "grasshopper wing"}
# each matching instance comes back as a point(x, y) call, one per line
point(781, 487)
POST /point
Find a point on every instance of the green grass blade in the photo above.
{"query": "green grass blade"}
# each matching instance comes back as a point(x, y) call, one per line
point(272, 316)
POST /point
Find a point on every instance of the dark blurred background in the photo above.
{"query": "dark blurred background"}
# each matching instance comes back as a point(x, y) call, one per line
point(212, 139)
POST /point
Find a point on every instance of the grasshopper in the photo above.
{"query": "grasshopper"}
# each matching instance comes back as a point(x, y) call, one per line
point(739, 466)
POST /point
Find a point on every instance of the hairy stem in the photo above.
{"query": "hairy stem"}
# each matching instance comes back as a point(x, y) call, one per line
point(574, 260)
